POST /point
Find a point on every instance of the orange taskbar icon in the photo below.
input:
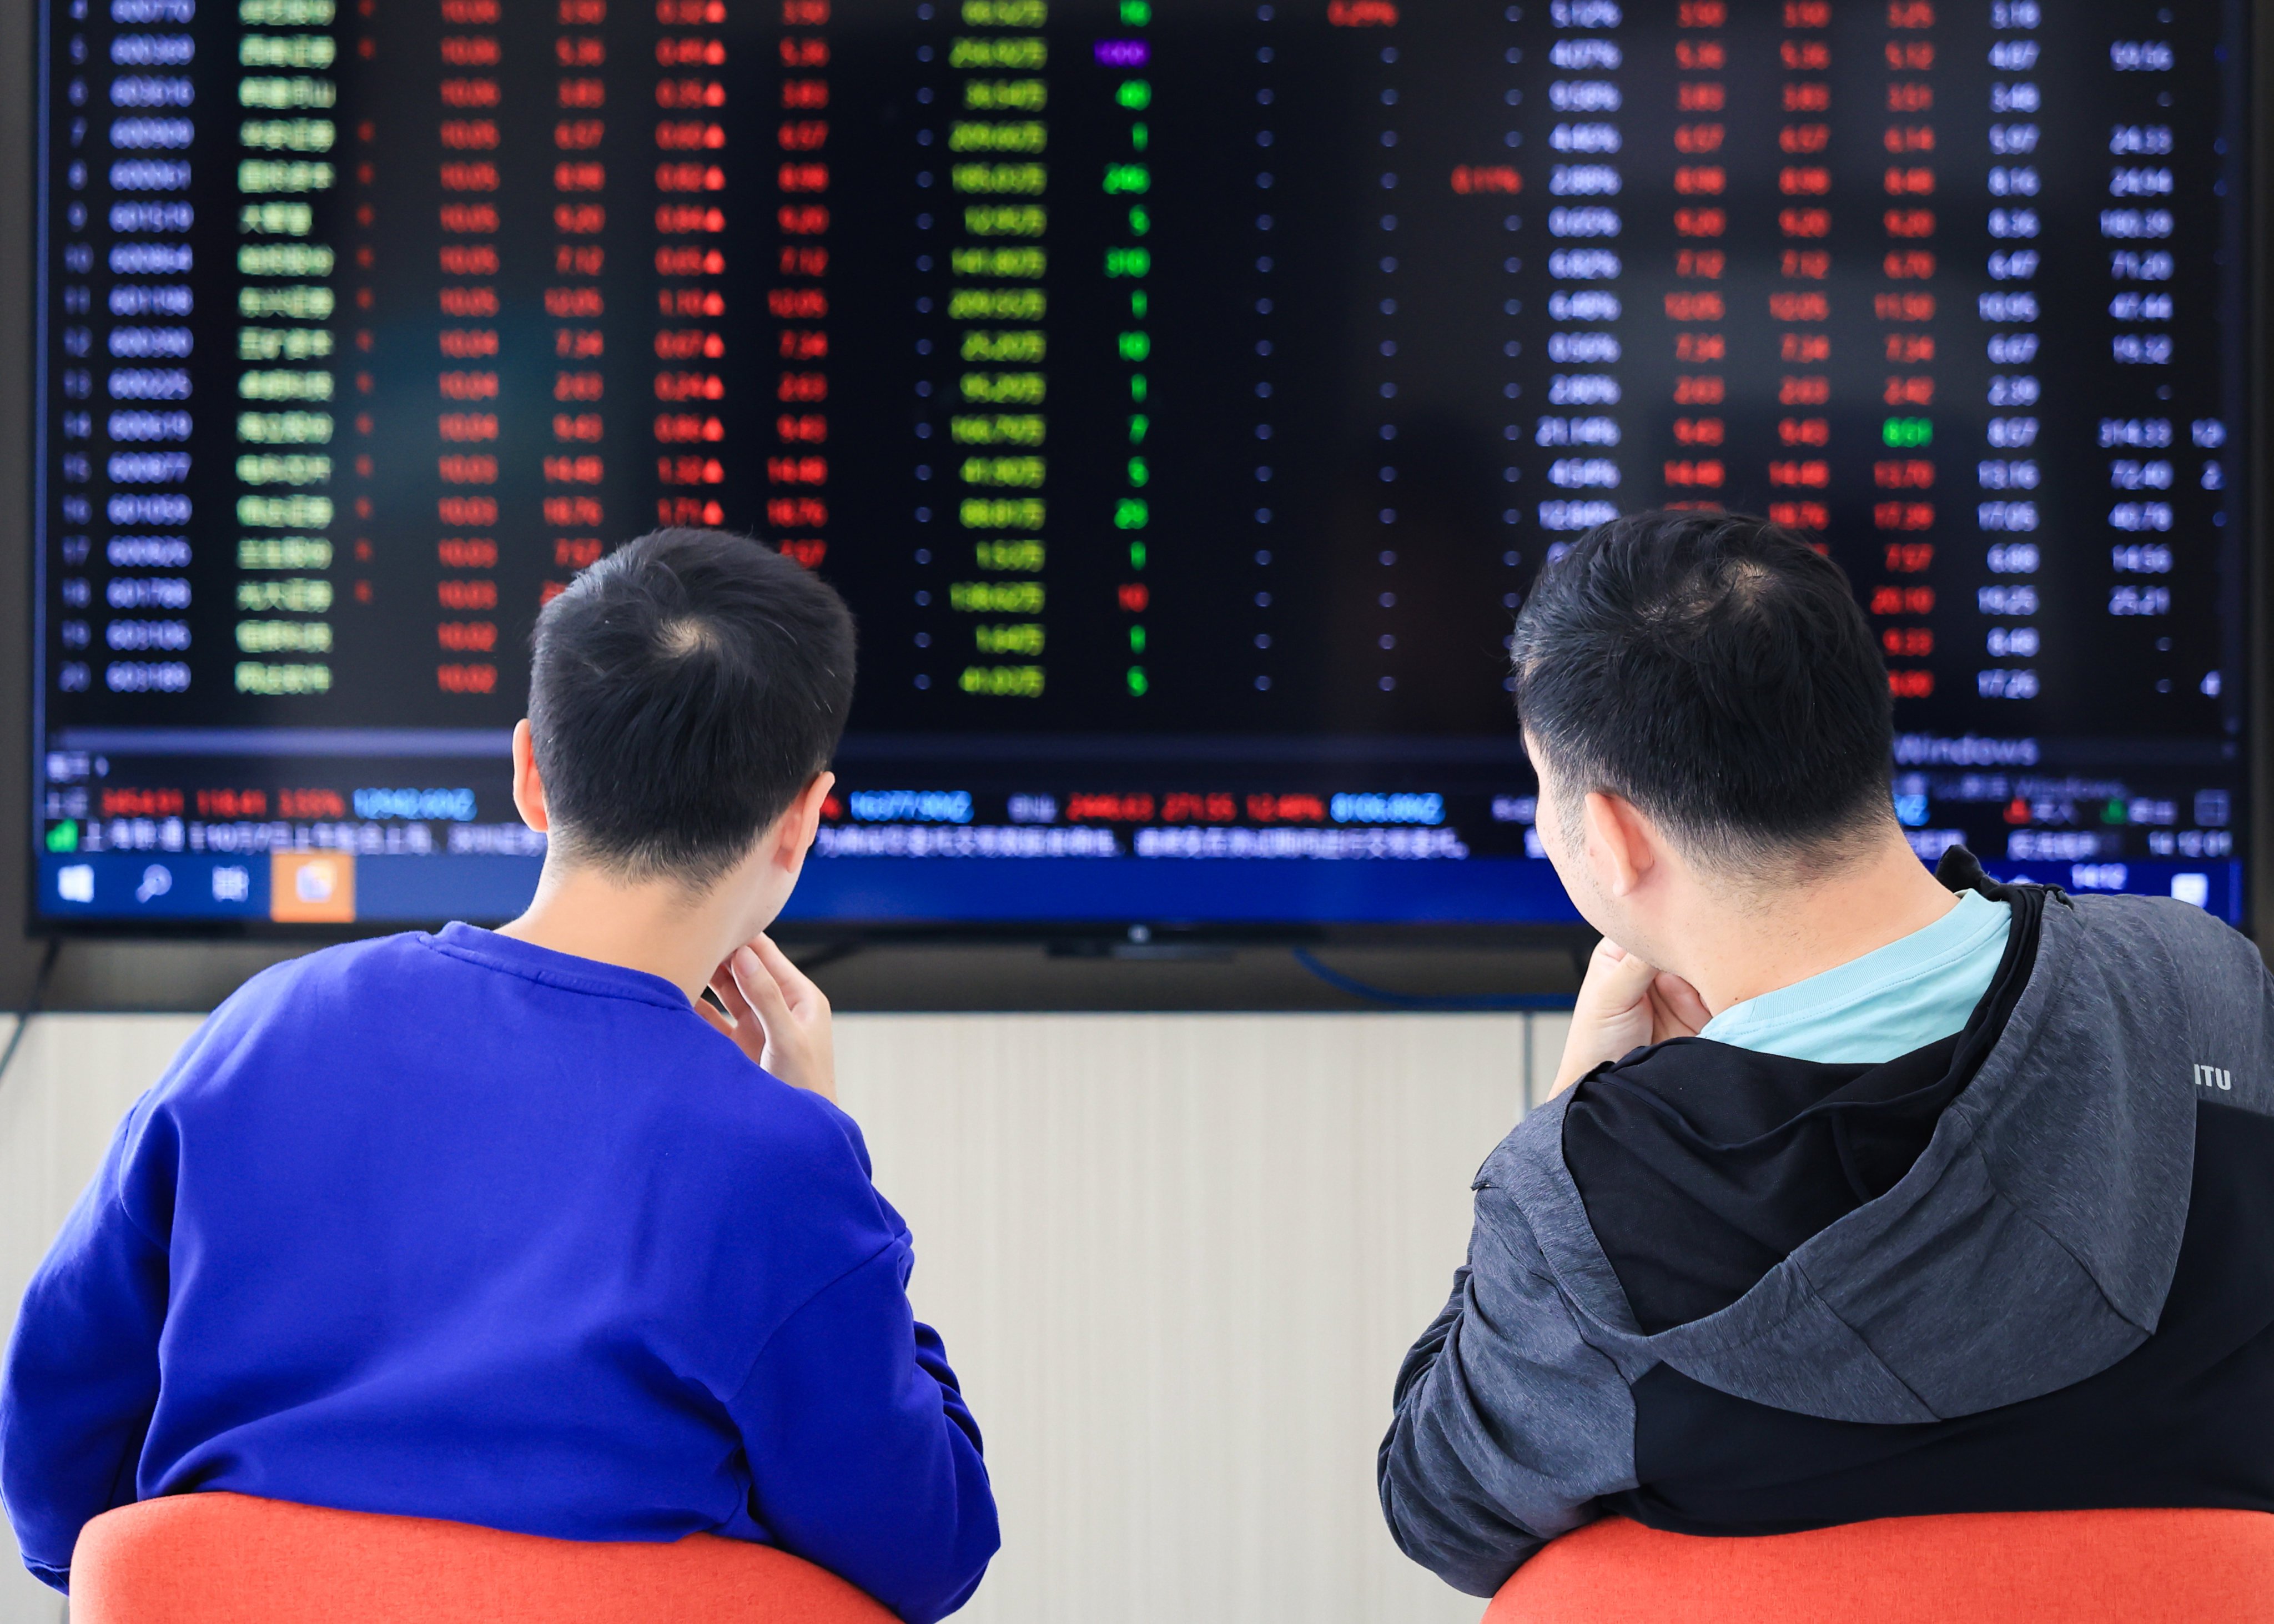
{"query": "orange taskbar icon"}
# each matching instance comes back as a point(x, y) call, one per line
point(312, 887)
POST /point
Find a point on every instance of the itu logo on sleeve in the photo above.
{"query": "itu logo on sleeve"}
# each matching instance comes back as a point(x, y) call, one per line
point(2212, 1076)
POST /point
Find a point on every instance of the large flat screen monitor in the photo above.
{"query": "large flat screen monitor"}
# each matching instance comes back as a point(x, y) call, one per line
point(1184, 392)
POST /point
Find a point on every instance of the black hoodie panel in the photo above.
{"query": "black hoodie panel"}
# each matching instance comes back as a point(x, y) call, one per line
point(1702, 1165)
point(2185, 1420)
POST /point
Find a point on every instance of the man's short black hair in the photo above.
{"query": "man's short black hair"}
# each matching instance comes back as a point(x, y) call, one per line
point(686, 687)
point(1716, 671)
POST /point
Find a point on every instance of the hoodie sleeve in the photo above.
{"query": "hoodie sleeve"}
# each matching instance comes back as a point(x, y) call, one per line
point(81, 1377)
point(865, 1458)
point(1509, 1425)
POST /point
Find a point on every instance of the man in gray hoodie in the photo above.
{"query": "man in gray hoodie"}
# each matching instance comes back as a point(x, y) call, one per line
point(1866, 1191)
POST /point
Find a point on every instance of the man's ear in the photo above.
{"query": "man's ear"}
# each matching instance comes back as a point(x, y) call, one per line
point(527, 783)
point(1622, 843)
point(802, 822)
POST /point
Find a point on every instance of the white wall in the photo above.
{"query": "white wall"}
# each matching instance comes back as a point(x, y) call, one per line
point(1176, 1260)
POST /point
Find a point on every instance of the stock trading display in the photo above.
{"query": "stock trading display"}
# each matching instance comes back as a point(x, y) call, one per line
point(1185, 393)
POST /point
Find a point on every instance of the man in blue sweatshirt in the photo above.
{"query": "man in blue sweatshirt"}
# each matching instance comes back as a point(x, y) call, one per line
point(519, 1228)
point(1866, 1191)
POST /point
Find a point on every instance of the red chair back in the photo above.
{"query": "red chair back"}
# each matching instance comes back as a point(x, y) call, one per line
point(2002, 1568)
point(231, 1558)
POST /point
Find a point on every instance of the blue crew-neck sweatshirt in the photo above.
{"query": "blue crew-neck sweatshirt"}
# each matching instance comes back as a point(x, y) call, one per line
point(455, 1226)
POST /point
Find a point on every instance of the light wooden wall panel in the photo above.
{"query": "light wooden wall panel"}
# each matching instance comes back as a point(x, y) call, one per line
point(1176, 1260)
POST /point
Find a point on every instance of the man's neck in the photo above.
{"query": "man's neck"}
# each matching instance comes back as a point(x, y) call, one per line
point(1812, 928)
point(652, 925)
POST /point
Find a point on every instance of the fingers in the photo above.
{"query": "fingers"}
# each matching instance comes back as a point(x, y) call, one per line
point(1680, 1003)
point(732, 1015)
point(775, 1015)
point(722, 983)
point(787, 1031)
point(1612, 1015)
point(1616, 980)
point(797, 988)
point(759, 988)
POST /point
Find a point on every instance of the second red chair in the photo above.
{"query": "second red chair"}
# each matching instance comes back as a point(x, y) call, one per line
point(2003, 1567)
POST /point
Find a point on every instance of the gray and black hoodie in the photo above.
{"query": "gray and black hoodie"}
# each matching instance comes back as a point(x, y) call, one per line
point(2028, 1267)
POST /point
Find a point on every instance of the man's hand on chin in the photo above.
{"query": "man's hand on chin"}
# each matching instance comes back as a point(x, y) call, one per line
point(776, 1016)
point(1624, 1005)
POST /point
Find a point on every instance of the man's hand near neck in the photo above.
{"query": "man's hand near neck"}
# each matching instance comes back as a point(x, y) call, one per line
point(655, 925)
point(1683, 941)
point(694, 937)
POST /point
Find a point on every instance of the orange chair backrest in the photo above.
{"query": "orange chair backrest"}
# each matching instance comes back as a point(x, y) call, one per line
point(231, 1558)
point(1996, 1568)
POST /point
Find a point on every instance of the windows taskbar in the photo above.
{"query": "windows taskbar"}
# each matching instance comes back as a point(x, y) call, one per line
point(1409, 885)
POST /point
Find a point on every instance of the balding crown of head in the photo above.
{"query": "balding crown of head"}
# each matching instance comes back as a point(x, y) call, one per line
point(685, 688)
point(1716, 671)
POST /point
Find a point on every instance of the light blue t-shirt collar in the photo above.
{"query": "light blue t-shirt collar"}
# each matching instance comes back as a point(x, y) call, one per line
point(1899, 997)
